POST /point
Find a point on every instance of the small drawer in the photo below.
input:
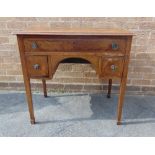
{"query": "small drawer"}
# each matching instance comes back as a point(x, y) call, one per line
point(37, 66)
point(112, 67)
point(106, 44)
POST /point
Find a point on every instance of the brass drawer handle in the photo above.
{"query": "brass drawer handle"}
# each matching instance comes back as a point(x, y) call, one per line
point(36, 66)
point(114, 67)
point(114, 46)
point(34, 45)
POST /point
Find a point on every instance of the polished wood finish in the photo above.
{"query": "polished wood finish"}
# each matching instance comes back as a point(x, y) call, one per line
point(112, 67)
point(26, 79)
point(123, 83)
point(43, 49)
point(47, 30)
point(41, 62)
point(72, 44)
point(109, 88)
point(44, 87)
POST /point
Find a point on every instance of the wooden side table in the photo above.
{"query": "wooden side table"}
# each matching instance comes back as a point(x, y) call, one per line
point(42, 49)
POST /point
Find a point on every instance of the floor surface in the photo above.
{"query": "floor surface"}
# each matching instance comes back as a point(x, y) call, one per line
point(76, 115)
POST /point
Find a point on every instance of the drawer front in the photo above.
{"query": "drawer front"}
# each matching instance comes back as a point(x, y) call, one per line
point(37, 66)
point(112, 67)
point(104, 44)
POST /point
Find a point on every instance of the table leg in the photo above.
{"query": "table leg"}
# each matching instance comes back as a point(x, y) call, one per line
point(109, 88)
point(29, 100)
point(44, 87)
point(121, 100)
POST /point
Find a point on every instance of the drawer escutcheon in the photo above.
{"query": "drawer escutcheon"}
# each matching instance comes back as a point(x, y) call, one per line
point(36, 66)
point(114, 67)
point(114, 46)
point(34, 45)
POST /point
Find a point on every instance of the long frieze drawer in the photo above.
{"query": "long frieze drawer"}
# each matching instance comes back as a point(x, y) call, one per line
point(104, 44)
point(37, 66)
point(112, 67)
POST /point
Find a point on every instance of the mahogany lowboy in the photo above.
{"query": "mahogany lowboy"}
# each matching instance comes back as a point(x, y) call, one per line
point(43, 49)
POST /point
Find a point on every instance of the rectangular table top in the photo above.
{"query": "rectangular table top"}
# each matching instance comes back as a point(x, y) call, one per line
point(46, 30)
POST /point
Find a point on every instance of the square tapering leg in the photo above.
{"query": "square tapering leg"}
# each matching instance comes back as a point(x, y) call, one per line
point(109, 88)
point(121, 100)
point(29, 100)
point(44, 87)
